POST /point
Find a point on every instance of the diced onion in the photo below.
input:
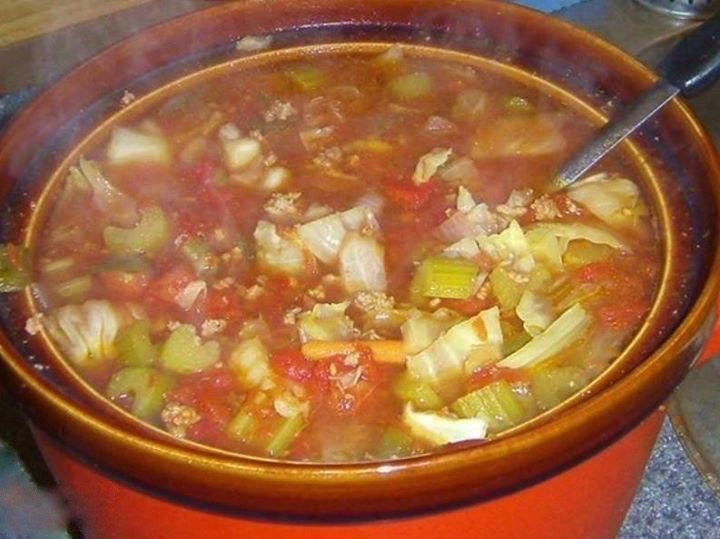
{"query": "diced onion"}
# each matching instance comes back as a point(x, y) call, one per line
point(129, 146)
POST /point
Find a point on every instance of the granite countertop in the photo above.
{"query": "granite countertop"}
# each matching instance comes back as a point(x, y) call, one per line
point(672, 501)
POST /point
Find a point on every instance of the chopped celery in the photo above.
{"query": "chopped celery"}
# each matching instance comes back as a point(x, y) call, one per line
point(368, 145)
point(184, 353)
point(418, 392)
point(494, 402)
point(469, 105)
point(14, 267)
point(507, 290)
point(127, 264)
point(410, 86)
point(133, 345)
point(74, 288)
point(144, 385)
point(200, 256)
point(306, 78)
point(284, 436)
point(241, 427)
point(553, 385)
point(540, 278)
point(582, 252)
point(393, 444)
point(251, 363)
point(439, 277)
point(515, 104)
point(148, 236)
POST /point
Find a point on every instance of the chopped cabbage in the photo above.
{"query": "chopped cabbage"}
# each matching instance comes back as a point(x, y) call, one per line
point(465, 201)
point(535, 312)
point(519, 135)
point(132, 146)
point(444, 359)
point(119, 207)
point(509, 246)
point(362, 264)
point(278, 252)
point(429, 164)
point(85, 333)
point(567, 232)
point(614, 200)
point(438, 429)
point(326, 322)
point(421, 328)
point(559, 335)
point(251, 363)
point(146, 237)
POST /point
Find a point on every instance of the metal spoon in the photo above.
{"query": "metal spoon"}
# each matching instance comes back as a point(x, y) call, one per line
point(690, 67)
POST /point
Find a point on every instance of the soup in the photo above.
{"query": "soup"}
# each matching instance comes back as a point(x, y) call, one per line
point(342, 258)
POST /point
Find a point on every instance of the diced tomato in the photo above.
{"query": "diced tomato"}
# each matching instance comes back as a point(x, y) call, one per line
point(202, 172)
point(292, 364)
point(409, 196)
point(486, 375)
point(167, 286)
point(596, 272)
point(623, 315)
point(223, 304)
point(124, 284)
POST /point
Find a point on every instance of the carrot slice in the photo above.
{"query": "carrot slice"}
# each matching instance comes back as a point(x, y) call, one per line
point(383, 351)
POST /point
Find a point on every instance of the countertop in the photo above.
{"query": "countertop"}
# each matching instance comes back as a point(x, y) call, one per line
point(673, 500)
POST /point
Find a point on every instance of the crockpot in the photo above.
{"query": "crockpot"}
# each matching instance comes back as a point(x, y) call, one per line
point(568, 473)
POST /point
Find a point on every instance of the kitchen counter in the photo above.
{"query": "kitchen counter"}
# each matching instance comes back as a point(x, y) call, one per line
point(673, 500)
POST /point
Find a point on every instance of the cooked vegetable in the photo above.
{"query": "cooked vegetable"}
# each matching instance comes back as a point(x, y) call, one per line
point(362, 264)
point(382, 351)
point(146, 237)
point(184, 353)
point(438, 429)
point(251, 362)
point(14, 267)
point(438, 277)
point(559, 335)
point(285, 435)
point(429, 164)
point(417, 392)
point(410, 86)
point(495, 402)
point(507, 287)
point(85, 333)
point(469, 106)
point(614, 200)
point(579, 231)
point(306, 78)
point(444, 358)
point(133, 345)
point(144, 386)
point(393, 444)
point(241, 427)
point(118, 206)
point(76, 288)
point(200, 256)
point(421, 329)
point(276, 251)
point(133, 146)
point(519, 135)
point(534, 311)
point(553, 385)
point(326, 322)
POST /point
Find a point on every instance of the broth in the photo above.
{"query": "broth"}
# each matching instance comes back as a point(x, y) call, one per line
point(344, 258)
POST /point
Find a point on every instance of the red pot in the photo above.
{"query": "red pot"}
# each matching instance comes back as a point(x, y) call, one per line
point(569, 473)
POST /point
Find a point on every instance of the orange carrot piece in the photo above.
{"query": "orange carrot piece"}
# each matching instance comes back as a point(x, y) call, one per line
point(383, 351)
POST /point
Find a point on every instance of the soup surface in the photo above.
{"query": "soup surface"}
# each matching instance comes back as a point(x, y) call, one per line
point(343, 258)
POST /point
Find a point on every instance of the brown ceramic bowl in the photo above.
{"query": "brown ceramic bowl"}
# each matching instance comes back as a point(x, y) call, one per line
point(672, 157)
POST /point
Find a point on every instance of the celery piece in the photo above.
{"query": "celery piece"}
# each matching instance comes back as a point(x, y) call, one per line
point(368, 145)
point(515, 342)
point(14, 267)
point(127, 264)
point(184, 353)
point(144, 385)
point(241, 427)
point(439, 277)
point(410, 86)
point(495, 402)
point(515, 104)
point(418, 392)
point(146, 237)
point(553, 385)
point(582, 252)
point(133, 345)
point(284, 435)
point(393, 444)
point(306, 78)
point(506, 289)
point(200, 256)
point(74, 288)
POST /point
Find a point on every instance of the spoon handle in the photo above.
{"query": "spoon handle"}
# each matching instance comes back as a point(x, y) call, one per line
point(690, 67)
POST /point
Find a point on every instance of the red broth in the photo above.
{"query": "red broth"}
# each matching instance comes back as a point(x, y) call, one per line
point(345, 258)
